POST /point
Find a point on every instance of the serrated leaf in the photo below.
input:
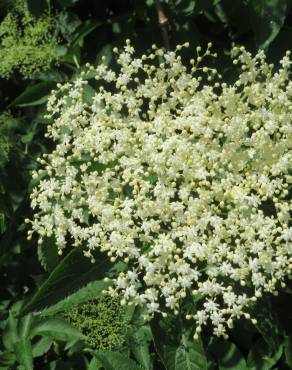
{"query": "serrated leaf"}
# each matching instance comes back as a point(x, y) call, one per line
point(48, 254)
point(115, 361)
point(72, 272)
point(175, 349)
point(267, 323)
point(90, 291)
point(190, 355)
point(164, 341)
point(140, 343)
point(57, 329)
point(68, 23)
point(23, 352)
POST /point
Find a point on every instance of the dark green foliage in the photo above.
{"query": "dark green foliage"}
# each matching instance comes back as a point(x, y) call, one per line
point(113, 360)
point(7, 128)
point(28, 337)
point(226, 354)
point(73, 272)
point(37, 285)
point(176, 348)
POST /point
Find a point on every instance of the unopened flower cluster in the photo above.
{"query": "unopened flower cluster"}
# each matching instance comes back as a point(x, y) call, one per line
point(26, 43)
point(183, 177)
point(102, 321)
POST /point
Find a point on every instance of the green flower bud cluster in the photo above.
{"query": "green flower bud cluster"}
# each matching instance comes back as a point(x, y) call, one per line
point(26, 43)
point(102, 321)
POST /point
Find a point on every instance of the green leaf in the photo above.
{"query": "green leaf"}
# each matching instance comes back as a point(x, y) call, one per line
point(90, 291)
point(87, 27)
point(186, 7)
point(235, 14)
point(68, 23)
point(42, 346)
point(267, 323)
point(107, 53)
point(25, 325)
point(88, 94)
point(94, 364)
point(175, 349)
point(288, 351)
point(75, 32)
point(261, 357)
point(60, 51)
point(23, 352)
point(27, 138)
point(10, 333)
point(53, 75)
point(140, 343)
point(115, 361)
point(227, 355)
point(165, 341)
point(190, 355)
point(48, 254)
point(57, 329)
point(34, 95)
point(7, 359)
point(267, 18)
point(72, 272)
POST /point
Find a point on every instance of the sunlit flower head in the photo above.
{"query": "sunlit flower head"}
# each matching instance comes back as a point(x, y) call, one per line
point(183, 177)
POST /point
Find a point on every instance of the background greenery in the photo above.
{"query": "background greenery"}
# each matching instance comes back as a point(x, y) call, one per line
point(51, 312)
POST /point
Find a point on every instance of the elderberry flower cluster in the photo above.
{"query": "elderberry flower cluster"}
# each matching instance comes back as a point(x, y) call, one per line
point(184, 178)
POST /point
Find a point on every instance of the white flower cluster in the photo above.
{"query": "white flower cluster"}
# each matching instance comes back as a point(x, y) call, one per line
point(183, 178)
